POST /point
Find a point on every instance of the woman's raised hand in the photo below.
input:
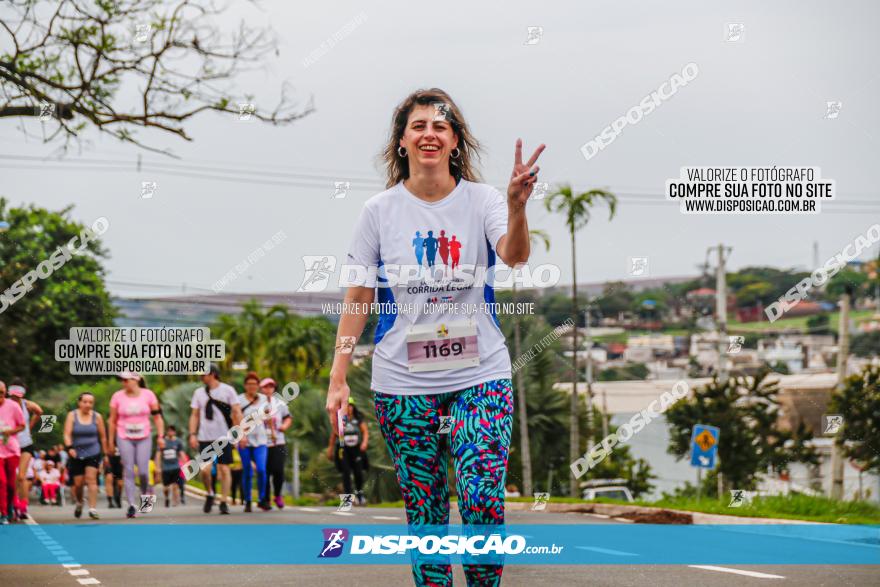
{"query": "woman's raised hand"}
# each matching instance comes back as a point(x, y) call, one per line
point(523, 176)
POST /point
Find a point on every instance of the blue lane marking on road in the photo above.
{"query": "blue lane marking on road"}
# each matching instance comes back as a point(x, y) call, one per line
point(654, 544)
point(606, 551)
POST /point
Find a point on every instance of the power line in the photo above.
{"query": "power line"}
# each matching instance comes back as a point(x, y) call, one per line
point(194, 171)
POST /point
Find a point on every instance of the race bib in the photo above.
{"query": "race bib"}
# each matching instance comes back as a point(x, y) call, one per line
point(134, 430)
point(440, 346)
point(351, 440)
point(169, 454)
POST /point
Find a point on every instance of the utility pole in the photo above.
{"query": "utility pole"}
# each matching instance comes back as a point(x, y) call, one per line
point(295, 452)
point(842, 356)
point(524, 443)
point(721, 312)
point(589, 378)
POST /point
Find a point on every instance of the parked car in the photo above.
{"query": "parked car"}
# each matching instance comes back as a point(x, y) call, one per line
point(606, 488)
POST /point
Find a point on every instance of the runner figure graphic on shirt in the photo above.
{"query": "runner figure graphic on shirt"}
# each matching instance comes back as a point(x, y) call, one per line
point(455, 252)
point(444, 249)
point(419, 246)
point(431, 248)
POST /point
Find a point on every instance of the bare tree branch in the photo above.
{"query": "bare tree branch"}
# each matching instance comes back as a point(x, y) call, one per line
point(75, 55)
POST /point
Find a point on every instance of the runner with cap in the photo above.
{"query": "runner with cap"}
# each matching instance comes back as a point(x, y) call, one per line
point(11, 423)
point(431, 364)
point(214, 410)
point(85, 440)
point(130, 411)
point(32, 412)
point(279, 423)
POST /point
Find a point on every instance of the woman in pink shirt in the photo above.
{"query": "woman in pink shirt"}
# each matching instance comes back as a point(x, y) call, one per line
point(11, 423)
point(130, 411)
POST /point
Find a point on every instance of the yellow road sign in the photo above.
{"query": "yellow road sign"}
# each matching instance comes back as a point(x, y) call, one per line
point(705, 440)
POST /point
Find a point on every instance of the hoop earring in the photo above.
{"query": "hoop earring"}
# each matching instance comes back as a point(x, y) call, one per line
point(457, 153)
point(403, 154)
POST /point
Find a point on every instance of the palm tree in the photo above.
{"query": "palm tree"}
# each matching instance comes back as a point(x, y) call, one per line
point(534, 236)
point(242, 333)
point(576, 209)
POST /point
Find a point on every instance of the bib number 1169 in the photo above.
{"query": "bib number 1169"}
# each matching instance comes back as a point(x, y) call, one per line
point(444, 349)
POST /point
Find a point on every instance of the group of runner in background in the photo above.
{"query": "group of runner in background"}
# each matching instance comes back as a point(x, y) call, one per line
point(121, 448)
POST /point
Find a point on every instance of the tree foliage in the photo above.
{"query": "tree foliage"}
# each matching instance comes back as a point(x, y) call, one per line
point(275, 342)
point(746, 410)
point(859, 403)
point(73, 295)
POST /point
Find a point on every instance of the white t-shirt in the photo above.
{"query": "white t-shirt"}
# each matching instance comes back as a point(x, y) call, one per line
point(400, 237)
point(281, 412)
point(211, 430)
point(257, 435)
point(51, 477)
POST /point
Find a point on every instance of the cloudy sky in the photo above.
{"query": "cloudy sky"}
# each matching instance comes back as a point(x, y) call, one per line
point(757, 102)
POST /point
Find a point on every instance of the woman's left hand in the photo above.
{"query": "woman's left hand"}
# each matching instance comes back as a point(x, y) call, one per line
point(160, 442)
point(363, 447)
point(523, 176)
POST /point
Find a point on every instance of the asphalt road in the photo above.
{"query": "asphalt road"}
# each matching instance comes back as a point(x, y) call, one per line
point(389, 575)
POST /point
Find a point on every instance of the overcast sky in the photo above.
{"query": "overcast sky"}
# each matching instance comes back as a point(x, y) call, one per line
point(758, 102)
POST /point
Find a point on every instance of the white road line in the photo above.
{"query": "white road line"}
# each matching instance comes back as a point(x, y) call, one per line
point(385, 517)
point(624, 520)
point(754, 574)
point(342, 513)
point(603, 516)
point(75, 569)
point(606, 551)
point(304, 509)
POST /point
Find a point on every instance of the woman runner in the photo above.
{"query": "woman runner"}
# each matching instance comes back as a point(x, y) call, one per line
point(278, 425)
point(347, 451)
point(32, 412)
point(130, 410)
point(85, 440)
point(444, 364)
point(253, 447)
point(11, 423)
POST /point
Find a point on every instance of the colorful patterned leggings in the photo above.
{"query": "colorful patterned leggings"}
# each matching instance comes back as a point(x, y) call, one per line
point(480, 439)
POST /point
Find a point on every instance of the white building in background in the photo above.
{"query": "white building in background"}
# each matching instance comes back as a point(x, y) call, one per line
point(704, 348)
point(659, 344)
point(782, 350)
point(638, 354)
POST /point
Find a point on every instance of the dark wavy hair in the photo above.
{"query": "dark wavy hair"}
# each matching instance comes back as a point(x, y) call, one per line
point(463, 167)
point(252, 375)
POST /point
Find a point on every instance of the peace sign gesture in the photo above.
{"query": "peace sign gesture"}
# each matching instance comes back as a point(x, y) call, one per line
point(523, 177)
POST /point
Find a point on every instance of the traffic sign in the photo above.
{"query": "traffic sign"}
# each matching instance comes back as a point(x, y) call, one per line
point(704, 446)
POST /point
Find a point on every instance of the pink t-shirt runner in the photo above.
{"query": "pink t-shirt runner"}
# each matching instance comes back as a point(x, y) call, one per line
point(11, 416)
point(133, 420)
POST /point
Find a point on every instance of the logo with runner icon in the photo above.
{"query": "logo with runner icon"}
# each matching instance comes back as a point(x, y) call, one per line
point(346, 500)
point(446, 423)
point(147, 503)
point(740, 497)
point(334, 541)
point(47, 423)
point(541, 499)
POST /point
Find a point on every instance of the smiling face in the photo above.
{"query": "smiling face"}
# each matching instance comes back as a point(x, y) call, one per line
point(428, 142)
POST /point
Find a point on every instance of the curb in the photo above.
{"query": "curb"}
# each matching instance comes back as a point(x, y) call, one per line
point(649, 515)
